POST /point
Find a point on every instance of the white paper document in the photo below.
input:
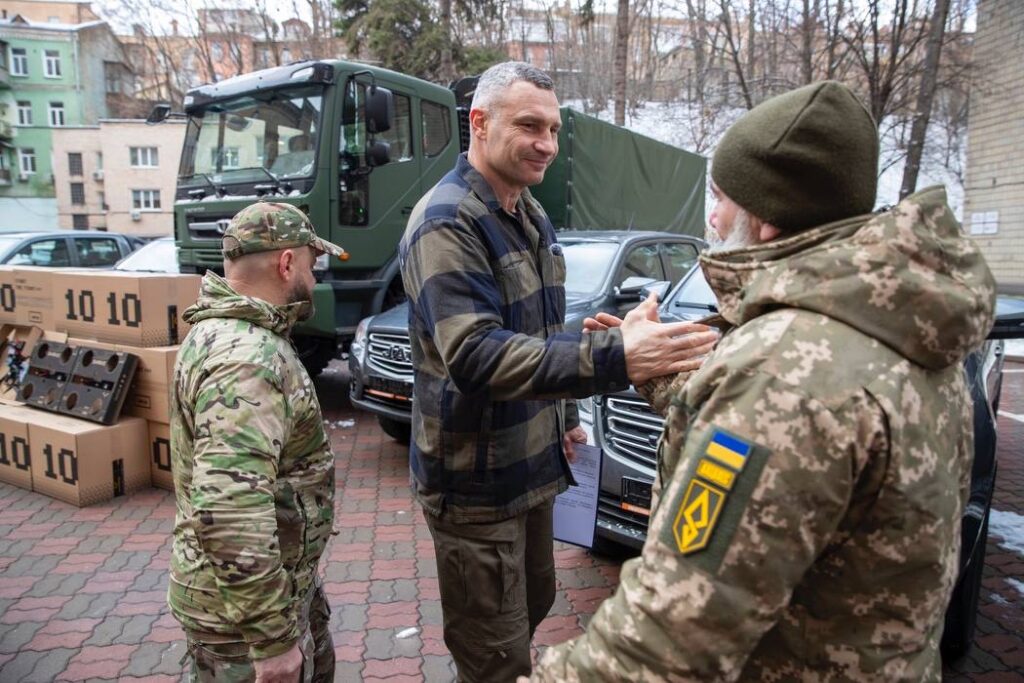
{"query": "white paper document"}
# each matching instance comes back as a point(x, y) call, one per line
point(576, 509)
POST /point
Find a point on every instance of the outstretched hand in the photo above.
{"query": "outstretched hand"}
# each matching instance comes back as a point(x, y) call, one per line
point(654, 348)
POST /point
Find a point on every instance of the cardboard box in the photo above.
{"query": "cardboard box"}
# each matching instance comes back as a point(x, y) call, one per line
point(8, 300)
point(83, 463)
point(29, 335)
point(150, 394)
point(138, 309)
point(160, 455)
point(15, 453)
point(26, 295)
point(33, 291)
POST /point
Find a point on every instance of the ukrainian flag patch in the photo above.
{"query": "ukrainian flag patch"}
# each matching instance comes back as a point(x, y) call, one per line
point(705, 495)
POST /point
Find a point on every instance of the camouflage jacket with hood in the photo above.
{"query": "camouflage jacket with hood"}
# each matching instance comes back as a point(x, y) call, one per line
point(813, 472)
point(253, 474)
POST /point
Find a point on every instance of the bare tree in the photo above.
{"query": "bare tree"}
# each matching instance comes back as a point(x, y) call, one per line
point(925, 97)
point(621, 55)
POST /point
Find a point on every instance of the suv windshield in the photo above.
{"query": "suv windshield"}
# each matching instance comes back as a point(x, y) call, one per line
point(695, 292)
point(587, 265)
point(253, 137)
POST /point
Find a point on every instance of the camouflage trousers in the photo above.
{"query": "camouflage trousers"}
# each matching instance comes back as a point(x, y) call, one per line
point(230, 662)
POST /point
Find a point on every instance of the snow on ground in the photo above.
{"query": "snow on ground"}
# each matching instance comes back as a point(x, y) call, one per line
point(1019, 585)
point(1009, 527)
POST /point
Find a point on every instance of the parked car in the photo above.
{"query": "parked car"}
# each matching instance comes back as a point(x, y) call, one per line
point(605, 271)
point(628, 431)
point(157, 256)
point(65, 248)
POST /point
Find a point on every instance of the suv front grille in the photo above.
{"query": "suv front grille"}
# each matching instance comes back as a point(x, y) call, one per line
point(632, 429)
point(390, 353)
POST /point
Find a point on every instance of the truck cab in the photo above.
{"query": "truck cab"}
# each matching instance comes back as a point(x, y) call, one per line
point(351, 145)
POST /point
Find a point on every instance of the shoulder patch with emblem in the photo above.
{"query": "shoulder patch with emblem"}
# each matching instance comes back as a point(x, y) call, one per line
point(717, 472)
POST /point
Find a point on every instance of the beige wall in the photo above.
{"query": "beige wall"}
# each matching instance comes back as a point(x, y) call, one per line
point(118, 178)
point(995, 172)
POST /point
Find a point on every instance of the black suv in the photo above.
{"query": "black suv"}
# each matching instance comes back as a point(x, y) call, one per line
point(627, 430)
point(605, 271)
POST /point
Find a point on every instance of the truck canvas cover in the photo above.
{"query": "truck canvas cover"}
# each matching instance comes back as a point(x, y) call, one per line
point(608, 178)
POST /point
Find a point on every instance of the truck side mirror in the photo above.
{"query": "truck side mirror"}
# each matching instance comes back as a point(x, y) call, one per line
point(380, 109)
point(378, 153)
point(159, 114)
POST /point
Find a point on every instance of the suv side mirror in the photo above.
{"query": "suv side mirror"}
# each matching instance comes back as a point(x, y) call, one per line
point(660, 288)
point(631, 287)
point(380, 109)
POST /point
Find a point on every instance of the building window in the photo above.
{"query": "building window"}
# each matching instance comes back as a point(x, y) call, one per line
point(51, 63)
point(143, 157)
point(77, 193)
point(56, 114)
point(74, 163)
point(19, 61)
point(27, 160)
point(24, 113)
point(99, 161)
point(146, 200)
point(80, 221)
point(103, 200)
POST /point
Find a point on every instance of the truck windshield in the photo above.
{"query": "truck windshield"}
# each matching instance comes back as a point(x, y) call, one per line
point(244, 139)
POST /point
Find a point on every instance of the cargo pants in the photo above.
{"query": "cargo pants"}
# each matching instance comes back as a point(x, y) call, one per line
point(229, 662)
point(497, 583)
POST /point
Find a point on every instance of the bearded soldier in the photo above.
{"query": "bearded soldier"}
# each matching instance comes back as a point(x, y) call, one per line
point(253, 470)
point(813, 472)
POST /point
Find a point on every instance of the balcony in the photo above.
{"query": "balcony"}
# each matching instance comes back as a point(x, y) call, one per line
point(6, 130)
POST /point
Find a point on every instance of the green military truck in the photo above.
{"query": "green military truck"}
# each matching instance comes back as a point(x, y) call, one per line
point(356, 146)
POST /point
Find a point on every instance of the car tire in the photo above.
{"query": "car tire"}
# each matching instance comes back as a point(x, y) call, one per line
point(399, 431)
point(962, 613)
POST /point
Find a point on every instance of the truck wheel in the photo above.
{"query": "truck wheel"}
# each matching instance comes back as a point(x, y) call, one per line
point(399, 431)
point(315, 353)
point(962, 613)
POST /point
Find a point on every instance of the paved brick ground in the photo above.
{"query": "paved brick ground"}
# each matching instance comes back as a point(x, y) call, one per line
point(82, 590)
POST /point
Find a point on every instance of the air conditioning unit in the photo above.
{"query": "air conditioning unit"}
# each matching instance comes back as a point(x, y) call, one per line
point(136, 215)
point(97, 175)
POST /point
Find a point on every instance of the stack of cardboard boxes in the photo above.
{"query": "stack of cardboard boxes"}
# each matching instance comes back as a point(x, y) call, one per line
point(74, 460)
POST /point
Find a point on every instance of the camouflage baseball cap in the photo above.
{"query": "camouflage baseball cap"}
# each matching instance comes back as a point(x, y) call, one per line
point(266, 226)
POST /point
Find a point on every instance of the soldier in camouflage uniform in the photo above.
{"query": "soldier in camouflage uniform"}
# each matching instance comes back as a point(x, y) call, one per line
point(813, 472)
point(253, 470)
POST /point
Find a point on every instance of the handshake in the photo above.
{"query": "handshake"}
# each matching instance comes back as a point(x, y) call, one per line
point(654, 348)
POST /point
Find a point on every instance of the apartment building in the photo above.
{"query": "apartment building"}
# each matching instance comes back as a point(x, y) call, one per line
point(994, 183)
point(53, 75)
point(119, 175)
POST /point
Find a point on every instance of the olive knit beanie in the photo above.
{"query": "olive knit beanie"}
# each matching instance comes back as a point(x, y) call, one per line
point(801, 159)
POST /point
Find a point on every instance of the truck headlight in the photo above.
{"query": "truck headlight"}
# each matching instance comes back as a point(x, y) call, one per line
point(359, 344)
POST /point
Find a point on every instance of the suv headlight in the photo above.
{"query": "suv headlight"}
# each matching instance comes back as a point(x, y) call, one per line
point(359, 344)
point(585, 405)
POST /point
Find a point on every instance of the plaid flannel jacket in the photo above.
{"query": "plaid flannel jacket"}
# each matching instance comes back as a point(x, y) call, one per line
point(486, 307)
